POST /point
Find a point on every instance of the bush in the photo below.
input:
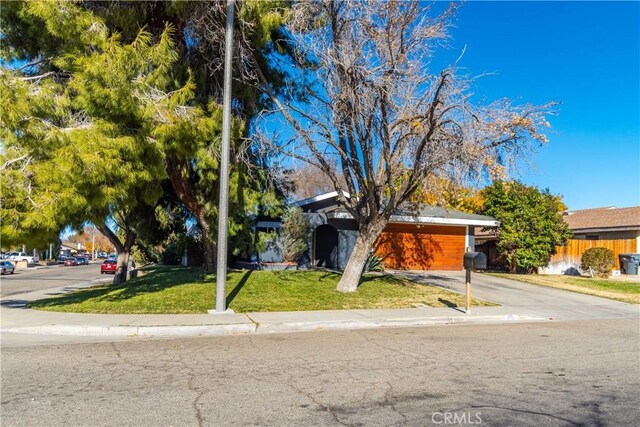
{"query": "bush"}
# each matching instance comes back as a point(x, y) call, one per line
point(599, 261)
point(172, 253)
point(373, 263)
point(295, 232)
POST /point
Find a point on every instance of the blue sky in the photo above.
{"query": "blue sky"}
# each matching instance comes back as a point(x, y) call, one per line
point(585, 55)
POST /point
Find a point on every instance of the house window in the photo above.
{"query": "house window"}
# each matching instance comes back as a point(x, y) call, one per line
point(592, 237)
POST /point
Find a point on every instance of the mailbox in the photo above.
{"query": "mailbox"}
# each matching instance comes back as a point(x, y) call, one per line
point(475, 260)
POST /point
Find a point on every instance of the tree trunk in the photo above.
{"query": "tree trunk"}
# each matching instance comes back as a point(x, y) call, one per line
point(122, 268)
point(208, 252)
point(184, 189)
point(124, 251)
point(364, 244)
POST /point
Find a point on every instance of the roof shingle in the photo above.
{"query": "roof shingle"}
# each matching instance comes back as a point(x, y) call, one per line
point(603, 218)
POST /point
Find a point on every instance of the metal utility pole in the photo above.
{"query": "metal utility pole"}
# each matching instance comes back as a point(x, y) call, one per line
point(223, 214)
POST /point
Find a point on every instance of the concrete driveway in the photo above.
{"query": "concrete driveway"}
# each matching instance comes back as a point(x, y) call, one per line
point(527, 298)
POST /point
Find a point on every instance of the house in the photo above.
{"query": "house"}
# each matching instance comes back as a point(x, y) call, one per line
point(609, 223)
point(614, 228)
point(426, 238)
point(69, 248)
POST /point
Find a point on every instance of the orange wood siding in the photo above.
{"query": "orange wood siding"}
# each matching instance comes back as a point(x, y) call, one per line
point(421, 247)
point(572, 252)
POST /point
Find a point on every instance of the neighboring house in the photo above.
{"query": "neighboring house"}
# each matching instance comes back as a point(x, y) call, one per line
point(68, 248)
point(609, 223)
point(428, 238)
point(614, 228)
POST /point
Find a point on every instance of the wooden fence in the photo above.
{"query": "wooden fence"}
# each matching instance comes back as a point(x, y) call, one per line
point(569, 255)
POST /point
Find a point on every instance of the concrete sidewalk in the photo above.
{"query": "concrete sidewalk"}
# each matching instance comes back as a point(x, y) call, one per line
point(22, 320)
point(520, 303)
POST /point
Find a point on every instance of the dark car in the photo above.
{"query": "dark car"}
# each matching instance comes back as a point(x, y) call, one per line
point(82, 260)
point(6, 267)
point(109, 266)
point(71, 261)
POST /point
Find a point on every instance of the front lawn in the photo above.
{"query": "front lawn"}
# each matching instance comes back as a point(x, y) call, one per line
point(619, 290)
point(187, 290)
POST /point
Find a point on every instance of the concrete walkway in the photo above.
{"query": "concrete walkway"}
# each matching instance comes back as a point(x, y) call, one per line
point(519, 303)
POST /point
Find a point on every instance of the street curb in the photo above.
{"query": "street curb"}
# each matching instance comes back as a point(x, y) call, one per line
point(134, 331)
point(387, 323)
point(257, 328)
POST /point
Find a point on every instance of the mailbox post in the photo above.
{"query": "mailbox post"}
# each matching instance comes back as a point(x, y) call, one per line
point(472, 261)
point(467, 304)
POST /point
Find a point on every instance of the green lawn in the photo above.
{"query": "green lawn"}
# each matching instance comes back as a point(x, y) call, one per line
point(619, 290)
point(187, 290)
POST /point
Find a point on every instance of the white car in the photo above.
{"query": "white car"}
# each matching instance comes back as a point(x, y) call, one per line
point(22, 256)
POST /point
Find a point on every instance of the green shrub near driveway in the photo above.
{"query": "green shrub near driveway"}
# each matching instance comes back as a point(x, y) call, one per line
point(599, 260)
point(186, 290)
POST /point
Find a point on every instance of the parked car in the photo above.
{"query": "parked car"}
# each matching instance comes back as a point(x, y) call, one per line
point(22, 256)
point(71, 261)
point(6, 267)
point(109, 266)
point(82, 260)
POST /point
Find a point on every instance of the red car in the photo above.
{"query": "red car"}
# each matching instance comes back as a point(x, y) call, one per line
point(71, 261)
point(109, 266)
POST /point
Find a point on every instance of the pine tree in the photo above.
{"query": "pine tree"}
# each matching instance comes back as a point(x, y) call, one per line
point(103, 114)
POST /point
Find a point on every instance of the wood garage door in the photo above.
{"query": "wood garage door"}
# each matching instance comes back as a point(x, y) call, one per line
point(421, 247)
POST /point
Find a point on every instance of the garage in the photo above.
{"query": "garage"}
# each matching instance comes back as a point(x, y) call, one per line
point(422, 247)
point(418, 237)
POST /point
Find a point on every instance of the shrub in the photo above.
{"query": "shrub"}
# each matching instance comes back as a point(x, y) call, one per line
point(295, 232)
point(599, 261)
point(373, 263)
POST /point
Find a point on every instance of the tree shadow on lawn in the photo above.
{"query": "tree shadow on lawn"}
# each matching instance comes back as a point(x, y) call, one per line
point(155, 281)
point(389, 279)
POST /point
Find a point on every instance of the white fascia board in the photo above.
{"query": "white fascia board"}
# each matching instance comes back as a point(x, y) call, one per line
point(319, 198)
point(443, 221)
point(426, 220)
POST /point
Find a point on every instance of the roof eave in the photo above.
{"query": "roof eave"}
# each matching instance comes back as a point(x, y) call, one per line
point(406, 219)
point(319, 198)
point(605, 229)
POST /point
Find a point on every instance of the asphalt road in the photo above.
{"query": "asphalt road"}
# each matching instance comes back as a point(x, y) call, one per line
point(27, 280)
point(539, 374)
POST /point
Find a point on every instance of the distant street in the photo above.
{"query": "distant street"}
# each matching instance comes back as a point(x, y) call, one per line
point(582, 373)
point(27, 280)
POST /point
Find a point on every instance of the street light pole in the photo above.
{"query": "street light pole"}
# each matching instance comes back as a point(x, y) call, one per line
point(223, 214)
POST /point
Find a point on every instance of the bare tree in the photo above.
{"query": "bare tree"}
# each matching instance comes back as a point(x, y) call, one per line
point(309, 181)
point(373, 104)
